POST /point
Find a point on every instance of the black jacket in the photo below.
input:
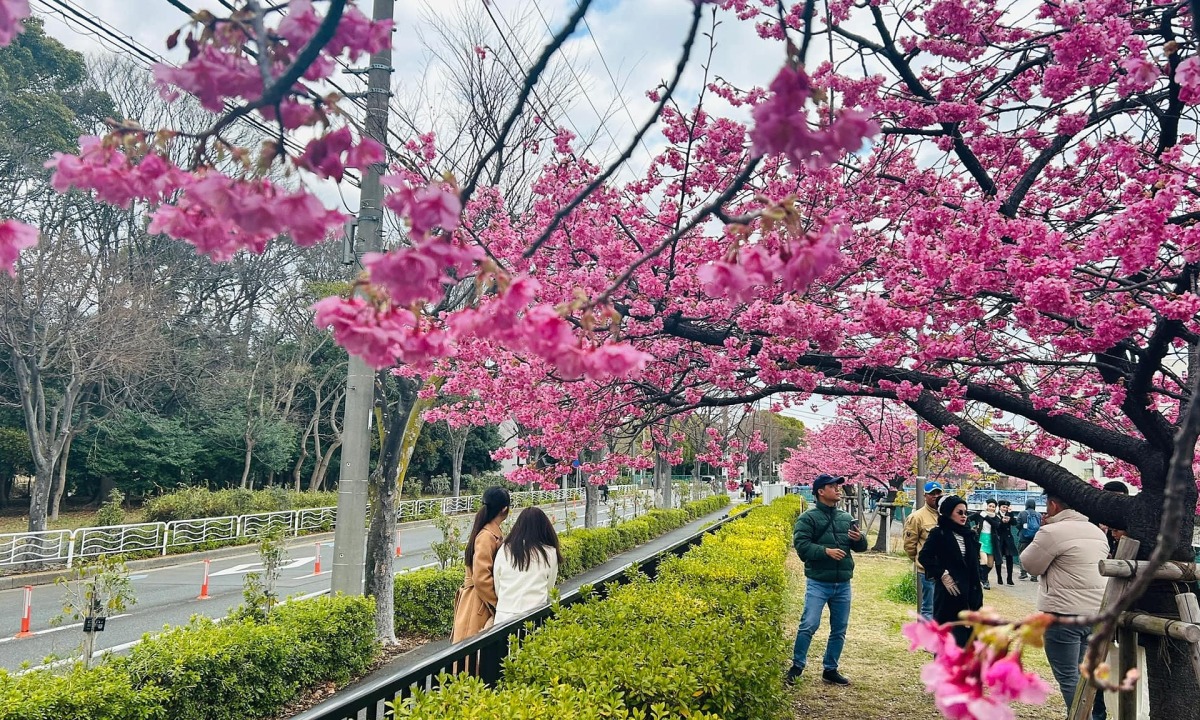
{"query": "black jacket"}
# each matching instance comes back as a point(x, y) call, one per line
point(941, 554)
point(1004, 542)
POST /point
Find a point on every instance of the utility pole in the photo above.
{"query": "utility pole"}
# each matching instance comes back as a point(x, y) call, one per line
point(350, 532)
point(922, 468)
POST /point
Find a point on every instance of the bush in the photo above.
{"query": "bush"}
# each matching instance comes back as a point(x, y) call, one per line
point(700, 639)
point(102, 693)
point(241, 669)
point(903, 589)
point(112, 512)
point(194, 502)
point(424, 598)
point(467, 697)
point(424, 601)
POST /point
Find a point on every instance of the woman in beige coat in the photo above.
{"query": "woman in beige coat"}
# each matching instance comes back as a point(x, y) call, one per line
point(475, 601)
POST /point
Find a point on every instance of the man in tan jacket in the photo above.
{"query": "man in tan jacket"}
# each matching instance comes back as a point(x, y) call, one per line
point(916, 531)
point(1066, 553)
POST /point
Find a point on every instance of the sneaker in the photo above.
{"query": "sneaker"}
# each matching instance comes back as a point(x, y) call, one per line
point(833, 677)
point(987, 586)
point(1024, 576)
point(1033, 578)
point(793, 675)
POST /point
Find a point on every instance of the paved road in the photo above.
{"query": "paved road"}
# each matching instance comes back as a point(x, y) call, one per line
point(168, 595)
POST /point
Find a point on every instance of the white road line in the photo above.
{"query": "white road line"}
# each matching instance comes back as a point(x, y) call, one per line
point(61, 627)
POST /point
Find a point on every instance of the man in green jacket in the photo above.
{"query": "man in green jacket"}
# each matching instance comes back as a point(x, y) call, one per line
point(824, 538)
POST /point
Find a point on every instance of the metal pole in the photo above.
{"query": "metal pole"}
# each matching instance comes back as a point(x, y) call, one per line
point(350, 532)
point(922, 468)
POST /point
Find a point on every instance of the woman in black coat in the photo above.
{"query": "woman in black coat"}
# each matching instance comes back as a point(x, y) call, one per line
point(951, 559)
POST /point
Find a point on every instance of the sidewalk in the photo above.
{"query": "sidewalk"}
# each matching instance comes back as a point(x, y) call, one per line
point(636, 555)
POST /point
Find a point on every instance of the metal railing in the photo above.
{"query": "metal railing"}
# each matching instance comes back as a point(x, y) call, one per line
point(481, 655)
point(64, 546)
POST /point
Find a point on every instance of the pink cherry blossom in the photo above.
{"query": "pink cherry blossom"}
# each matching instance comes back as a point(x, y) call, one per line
point(12, 12)
point(15, 236)
point(1188, 77)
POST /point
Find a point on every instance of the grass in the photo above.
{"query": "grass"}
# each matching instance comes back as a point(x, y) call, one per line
point(885, 676)
point(15, 518)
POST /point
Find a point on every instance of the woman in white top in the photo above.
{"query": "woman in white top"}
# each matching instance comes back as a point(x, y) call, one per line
point(526, 566)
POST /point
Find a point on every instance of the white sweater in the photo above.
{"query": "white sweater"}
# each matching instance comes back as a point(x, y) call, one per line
point(518, 592)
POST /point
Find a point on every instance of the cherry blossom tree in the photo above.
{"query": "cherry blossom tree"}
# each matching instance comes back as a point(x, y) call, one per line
point(1017, 239)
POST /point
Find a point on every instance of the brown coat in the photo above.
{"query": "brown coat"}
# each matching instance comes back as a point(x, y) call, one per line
point(475, 601)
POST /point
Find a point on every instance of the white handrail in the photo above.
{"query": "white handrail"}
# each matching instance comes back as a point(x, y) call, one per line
point(63, 546)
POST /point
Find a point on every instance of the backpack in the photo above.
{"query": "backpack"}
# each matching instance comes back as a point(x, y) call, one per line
point(1031, 524)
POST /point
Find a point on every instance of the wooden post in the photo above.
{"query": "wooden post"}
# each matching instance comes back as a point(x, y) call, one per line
point(1126, 661)
point(1189, 611)
point(1085, 691)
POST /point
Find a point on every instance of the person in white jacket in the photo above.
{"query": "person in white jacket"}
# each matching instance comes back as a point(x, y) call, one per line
point(526, 566)
point(1066, 553)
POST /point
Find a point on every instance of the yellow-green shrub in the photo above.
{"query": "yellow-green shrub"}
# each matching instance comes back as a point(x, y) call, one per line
point(466, 697)
point(423, 600)
point(102, 693)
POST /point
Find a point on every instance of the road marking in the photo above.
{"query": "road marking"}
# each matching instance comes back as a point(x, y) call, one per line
point(47, 631)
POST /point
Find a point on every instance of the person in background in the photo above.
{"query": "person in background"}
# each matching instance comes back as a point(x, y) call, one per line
point(1066, 552)
point(825, 538)
point(985, 524)
point(1029, 521)
point(1004, 545)
point(1114, 536)
point(604, 493)
point(916, 530)
point(475, 601)
point(526, 566)
point(951, 557)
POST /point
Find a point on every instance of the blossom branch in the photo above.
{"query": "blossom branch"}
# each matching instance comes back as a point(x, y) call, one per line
point(566, 210)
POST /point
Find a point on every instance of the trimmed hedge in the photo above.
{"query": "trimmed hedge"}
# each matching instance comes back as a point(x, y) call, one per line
point(102, 693)
point(204, 671)
point(699, 642)
point(464, 696)
point(197, 502)
point(424, 598)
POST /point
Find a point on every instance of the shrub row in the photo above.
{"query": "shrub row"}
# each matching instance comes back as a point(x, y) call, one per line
point(207, 671)
point(196, 502)
point(704, 640)
point(424, 598)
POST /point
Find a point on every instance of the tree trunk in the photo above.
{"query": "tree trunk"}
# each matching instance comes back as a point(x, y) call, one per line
point(402, 428)
point(894, 487)
point(317, 482)
point(662, 481)
point(60, 483)
point(458, 448)
point(39, 497)
point(591, 505)
point(106, 486)
point(246, 462)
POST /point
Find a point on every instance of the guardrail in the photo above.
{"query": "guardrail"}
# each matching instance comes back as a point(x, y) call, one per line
point(481, 655)
point(64, 546)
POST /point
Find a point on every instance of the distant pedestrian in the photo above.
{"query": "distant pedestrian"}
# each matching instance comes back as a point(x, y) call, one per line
point(1029, 521)
point(475, 601)
point(748, 489)
point(825, 538)
point(604, 493)
point(1004, 544)
point(916, 531)
point(951, 556)
point(984, 524)
point(526, 567)
point(1067, 552)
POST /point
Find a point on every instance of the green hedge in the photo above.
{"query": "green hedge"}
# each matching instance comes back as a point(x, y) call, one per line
point(102, 693)
point(196, 502)
point(468, 697)
point(699, 642)
point(207, 671)
point(424, 598)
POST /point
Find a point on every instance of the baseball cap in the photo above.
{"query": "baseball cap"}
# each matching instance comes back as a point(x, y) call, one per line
point(933, 486)
point(823, 480)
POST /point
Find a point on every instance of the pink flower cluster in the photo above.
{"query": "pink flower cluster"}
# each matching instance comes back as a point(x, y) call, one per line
point(975, 683)
point(15, 236)
point(216, 213)
point(754, 269)
point(781, 125)
point(328, 156)
point(12, 12)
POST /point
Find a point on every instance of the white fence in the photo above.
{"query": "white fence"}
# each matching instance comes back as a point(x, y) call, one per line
point(64, 546)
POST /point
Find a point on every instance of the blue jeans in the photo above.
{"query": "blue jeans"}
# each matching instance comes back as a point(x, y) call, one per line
point(816, 596)
point(926, 608)
point(1065, 648)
